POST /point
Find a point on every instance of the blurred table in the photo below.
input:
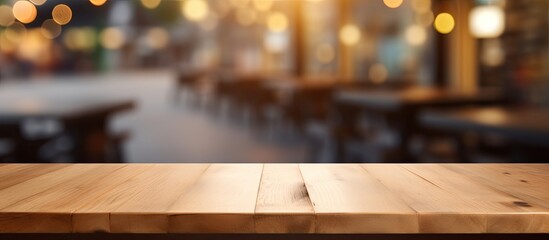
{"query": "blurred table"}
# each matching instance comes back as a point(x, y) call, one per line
point(274, 198)
point(522, 124)
point(401, 106)
point(84, 118)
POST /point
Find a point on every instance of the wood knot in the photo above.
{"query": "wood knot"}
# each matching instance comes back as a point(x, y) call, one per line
point(522, 204)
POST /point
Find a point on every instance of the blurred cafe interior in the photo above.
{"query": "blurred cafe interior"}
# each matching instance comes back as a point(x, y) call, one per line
point(272, 81)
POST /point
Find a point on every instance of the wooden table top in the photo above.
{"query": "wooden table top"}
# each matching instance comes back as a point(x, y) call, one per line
point(390, 99)
point(531, 124)
point(274, 198)
point(63, 108)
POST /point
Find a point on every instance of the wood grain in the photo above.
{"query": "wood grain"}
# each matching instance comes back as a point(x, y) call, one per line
point(222, 200)
point(274, 198)
point(348, 200)
point(283, 204)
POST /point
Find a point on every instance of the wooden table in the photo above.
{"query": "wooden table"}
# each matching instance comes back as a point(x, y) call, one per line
point(402, 106)
point(274, 198)
point(84, 117)
point(522, 124)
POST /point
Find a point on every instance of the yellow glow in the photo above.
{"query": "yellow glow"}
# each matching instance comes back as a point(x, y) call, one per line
point(444, 23)
point(350, 35)
point(50, 29)
point(150, 4)
point(195, 10)
point(112, 38)
point(98, 2)
point(62, 14)
point(6, 16)
point(277, 22)
point(158, 38)
point(378, 73)
point(80, 38)
point(325, 53)
point(24, 11)
point(487, 21)
point(246, 16)
point(416, 35)
point(393, 3)
point(263, 5)
point(6, 45)
point(38, 2)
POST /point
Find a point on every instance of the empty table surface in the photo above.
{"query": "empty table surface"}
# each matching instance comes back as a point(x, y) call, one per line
point(274, 198)
point(387, 99)
point(530, 124)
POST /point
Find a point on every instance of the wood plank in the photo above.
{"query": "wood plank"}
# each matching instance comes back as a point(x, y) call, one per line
point(94, 214)
point(532, 188)
point(439, 211)
point(348, 200)
point(12, 174)
point(505, 213)
point(29, 220)
point(145, 211)
point(283, 204)
point(222, 200)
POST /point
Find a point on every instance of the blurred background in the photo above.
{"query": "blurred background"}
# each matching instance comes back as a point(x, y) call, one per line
point(274, 81)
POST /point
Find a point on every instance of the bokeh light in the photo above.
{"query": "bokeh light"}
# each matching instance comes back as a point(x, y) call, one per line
point(81, 38)
point(416, 35)
point(444, 23)
point(263, 5)
point(157, 38)
point(50, 29)
point(24, 11)
point(38, 2)
point(150, 4)
point(62, 14)
point(246, 16)
point(393, 3)
point(277, 22)
point(6, 16)
point(195, 10)
point(98, 2)
point(350, 35)
point(487, 21)
point(112, 38)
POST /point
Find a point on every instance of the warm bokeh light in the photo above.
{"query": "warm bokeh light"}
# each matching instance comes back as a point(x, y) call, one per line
point(50, 29)
point(34, 47)
point(426, 18)
point(276, 42)
point(416, 35)
point(98, 2)
point(195, 10)
point(38, 2)
point(350, 35)
point(62, 14)
point(24, 11)
point(444, 23)
point(325, 53)
point(378, 73)
point(81, 39)
point(150, 4)
point(277, 22)
point(393, 3)
point(15, 32)
point(6, 16)
point(487, 21)
point(263, 5)
point(157, 38)
point(112, 38)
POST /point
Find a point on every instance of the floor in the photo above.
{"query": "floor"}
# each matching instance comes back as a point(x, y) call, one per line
point(167, 131)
